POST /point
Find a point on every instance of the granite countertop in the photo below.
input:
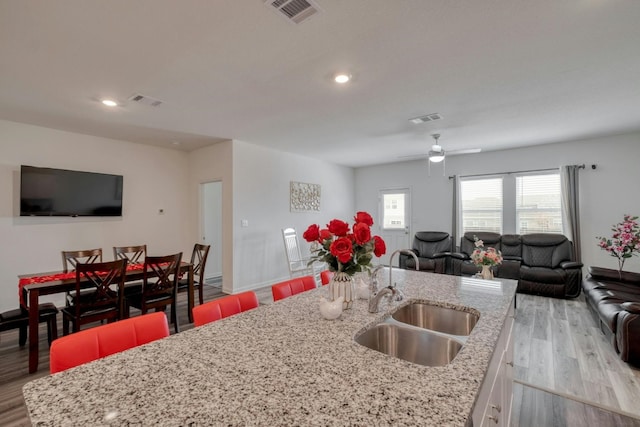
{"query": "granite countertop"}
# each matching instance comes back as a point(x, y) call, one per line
point(283, 364)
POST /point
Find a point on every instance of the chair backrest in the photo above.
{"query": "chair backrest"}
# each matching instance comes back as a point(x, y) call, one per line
point(224, 307)
point(199, 260)
point(325, 277)
point(108, 280)
point(101, 341)
point(161, 274)
point(72, 258)
point(291, 247)
point(428, 243)
point(133, 254)
point(545, 250)
point(490, 239)
point(292, 287)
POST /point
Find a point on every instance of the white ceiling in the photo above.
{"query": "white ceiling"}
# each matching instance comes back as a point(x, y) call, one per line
point(502, 73)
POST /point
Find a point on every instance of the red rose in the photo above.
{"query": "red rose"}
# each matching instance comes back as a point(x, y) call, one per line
point(361, 233)
point(342, 249)
point(363, 217)
point(324, 235)
point(337, 227)
point(312, 233)
point(379, 247)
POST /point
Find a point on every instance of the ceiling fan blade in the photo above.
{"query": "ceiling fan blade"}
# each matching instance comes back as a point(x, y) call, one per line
point(414, 156)
point(465, 151)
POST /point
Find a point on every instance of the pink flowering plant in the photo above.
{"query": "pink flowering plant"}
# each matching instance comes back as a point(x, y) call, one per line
point(625, 241)
point(485, 256)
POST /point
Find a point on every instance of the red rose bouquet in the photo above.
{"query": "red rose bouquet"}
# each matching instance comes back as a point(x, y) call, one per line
point(344, 248)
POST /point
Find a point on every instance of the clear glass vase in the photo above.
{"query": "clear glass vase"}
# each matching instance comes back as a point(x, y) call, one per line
point(343, 285)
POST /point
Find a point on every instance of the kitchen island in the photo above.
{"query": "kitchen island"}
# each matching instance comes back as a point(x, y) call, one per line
point(283, 364)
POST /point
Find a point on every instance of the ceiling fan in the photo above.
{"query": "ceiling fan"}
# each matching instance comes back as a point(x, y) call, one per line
point(437, 154)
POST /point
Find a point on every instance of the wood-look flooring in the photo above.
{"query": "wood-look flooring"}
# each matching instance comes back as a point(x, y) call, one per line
point(566, 372)
point(559, 347)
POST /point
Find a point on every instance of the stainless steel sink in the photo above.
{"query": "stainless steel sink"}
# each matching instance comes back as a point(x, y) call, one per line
point(436, 318)
point(410, 344)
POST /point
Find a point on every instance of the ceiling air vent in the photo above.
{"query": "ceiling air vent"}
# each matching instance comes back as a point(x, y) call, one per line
point(294, 11)
point(144, 99)
point(427, 118)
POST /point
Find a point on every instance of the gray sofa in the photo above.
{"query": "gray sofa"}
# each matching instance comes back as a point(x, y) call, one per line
point(541, 263)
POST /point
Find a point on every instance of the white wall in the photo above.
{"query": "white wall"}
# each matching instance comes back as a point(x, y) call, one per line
point(261, 182)
point(154, 178)
point(214, 163)
point(606, 193)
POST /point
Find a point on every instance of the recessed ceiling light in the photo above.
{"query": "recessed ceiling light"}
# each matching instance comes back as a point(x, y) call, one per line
point(109, 102)
point(342, 78)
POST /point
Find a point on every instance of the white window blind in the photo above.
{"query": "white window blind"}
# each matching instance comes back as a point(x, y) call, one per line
point(481, 204)
point(538, 204)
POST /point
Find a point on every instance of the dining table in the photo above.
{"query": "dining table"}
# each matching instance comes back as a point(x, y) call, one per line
point(32, 286)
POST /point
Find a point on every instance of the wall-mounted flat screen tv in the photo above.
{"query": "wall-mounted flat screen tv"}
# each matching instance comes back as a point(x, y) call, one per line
point(59, 192)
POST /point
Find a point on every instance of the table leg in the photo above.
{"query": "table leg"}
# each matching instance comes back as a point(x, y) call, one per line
point(191, 295)
point(34, 315)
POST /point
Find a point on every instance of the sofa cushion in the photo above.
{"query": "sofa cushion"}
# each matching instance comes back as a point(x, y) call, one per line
point(424, 264)
point(543, 275)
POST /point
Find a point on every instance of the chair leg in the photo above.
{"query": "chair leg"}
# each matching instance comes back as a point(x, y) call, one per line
point(22, 335)
point(200, 293)
point(65, 325)
point(52, 329)
point(174, 316)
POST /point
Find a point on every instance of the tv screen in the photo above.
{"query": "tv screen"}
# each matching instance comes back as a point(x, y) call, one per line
point(59, 192)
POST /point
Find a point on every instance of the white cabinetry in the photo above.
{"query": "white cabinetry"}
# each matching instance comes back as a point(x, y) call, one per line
point(493, 406)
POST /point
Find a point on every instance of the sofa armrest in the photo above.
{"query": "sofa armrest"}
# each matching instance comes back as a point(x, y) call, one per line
point(631, 307)
point(512, 258)
point(441, 254)
point(459, 255)
point(570, 264)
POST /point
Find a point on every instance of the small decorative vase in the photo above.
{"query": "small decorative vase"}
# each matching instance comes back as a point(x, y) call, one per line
point(486, 272)
point(343, 285)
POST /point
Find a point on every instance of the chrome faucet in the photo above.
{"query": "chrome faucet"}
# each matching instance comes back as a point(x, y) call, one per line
point(374, 295)
point(398, 294)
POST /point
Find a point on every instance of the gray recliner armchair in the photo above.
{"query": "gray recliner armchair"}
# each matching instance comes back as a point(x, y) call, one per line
point(432, 248)
point(547, 266)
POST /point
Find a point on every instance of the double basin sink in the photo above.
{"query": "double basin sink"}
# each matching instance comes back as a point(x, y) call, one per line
point(421, 333)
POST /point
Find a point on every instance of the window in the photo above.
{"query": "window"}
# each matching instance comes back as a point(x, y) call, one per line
point(481, 204)
point(538, 204)
point(522, 204)
point(394, 211)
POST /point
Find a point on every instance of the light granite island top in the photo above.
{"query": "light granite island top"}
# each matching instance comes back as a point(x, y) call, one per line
point(283, 364)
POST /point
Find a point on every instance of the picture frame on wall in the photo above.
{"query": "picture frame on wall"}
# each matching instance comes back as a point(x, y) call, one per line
point(304, 197)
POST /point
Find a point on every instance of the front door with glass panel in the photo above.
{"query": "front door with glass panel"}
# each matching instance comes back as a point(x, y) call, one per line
point(394, 221)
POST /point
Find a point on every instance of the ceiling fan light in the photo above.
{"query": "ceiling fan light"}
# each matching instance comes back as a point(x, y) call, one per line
point(436, 156)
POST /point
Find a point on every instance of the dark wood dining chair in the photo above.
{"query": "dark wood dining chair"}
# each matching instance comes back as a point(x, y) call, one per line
point(70, 259)
point(133, 254)
point(159, 286)
point(106, 279)
point(18, 318)
point(199, 261)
